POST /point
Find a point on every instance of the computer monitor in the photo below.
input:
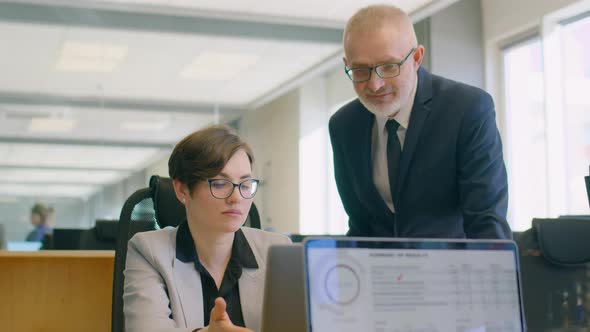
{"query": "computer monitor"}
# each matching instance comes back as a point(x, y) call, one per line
point(23, 246)
point(66, 238)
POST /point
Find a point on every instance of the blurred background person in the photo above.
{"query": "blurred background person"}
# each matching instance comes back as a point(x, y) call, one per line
point(40, 216)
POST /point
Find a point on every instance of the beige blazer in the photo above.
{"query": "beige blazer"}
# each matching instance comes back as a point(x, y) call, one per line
point(162, 293)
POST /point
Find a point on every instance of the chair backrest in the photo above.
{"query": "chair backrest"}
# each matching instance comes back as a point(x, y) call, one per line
point(156, 204)
point(169, 210)
point(587, 179)
point(103, 236)
point(134, 208)
point(555, 271)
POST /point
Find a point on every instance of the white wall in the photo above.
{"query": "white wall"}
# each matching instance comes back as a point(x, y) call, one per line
point(502, 18)
point(338, 87)
point(456, 47)
point(273, 133)
point(160, 168)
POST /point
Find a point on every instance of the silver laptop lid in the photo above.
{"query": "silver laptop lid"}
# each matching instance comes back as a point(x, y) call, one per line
point(284, 294)
point(361, 284)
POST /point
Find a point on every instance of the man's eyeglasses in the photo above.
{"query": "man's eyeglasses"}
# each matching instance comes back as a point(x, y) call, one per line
point(384, 70)
point(222, 188)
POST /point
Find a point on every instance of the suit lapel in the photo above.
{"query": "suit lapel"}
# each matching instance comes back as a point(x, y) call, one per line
point(366, 144)
point(420, 112)
point(190, 292)
point(251, 296)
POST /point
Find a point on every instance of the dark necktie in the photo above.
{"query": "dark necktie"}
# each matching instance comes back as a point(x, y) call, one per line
point(394, 152)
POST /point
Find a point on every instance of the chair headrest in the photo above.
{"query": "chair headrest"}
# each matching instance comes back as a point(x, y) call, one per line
point(169, 210)
point(564, 241)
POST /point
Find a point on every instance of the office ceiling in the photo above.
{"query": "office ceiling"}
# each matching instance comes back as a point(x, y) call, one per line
point(92, 91)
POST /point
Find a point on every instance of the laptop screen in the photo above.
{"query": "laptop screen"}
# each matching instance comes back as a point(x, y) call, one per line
point(388, 285)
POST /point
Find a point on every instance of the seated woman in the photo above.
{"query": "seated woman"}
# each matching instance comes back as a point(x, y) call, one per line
point(208, 273)
point(40, 219)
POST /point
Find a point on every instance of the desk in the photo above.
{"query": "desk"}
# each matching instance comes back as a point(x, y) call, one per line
point(56, 290)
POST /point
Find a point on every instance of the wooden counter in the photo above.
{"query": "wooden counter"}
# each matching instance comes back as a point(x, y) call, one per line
point(56, 290)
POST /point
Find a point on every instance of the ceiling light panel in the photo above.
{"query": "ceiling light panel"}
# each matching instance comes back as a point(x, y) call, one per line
point(218, 66)
point(90, 56)
point(103, 125)
point(45, 125)
point(154, 61)
point(33, 190)
point(77, 156)
point(57, 176)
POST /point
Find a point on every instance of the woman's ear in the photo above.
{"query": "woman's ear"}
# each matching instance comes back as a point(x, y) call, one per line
point(181, 191)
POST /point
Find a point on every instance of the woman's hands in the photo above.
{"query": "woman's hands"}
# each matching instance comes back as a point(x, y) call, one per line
point(219, 320)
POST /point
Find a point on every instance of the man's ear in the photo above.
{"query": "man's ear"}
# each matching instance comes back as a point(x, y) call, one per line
point(181, 191)
point(418, 56)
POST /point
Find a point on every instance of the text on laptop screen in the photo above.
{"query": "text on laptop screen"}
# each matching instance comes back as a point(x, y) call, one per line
point(412, 289)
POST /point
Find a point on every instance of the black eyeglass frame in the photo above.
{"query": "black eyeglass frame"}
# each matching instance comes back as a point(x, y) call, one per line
point(234, 185)
point(349, 71)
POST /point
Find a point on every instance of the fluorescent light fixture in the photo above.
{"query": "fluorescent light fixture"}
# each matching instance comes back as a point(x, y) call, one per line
point(8, 200)
point(49, 125)
point(218, 66)
point(145, 125)
point(60, 176)
point(77, 156)
point(90, 57)
point(27, 190)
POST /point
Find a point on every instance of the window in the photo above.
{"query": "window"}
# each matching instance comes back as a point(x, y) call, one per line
point(576, 112)
point(526, 132)
point(546, 80)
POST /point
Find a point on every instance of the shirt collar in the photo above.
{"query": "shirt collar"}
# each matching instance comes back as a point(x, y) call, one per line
point(403, 116)
point(186, 251)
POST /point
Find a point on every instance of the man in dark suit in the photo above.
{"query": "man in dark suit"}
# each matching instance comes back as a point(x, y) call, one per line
point(416, 155)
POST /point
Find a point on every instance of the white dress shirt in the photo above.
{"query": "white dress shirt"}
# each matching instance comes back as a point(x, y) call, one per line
point(379, 147)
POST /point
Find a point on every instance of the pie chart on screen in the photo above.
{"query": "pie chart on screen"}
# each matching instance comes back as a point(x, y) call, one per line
point(342, 284)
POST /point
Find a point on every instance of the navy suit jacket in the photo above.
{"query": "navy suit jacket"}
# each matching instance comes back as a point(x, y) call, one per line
point(452, 180)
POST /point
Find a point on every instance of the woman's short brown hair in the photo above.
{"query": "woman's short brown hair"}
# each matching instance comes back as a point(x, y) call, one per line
point(203, 154)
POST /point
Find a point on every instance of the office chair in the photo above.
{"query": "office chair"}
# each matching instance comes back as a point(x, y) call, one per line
point(3, 241)
point(103, 236)
point(156, 204)
point(555, 274)
point(587, 180)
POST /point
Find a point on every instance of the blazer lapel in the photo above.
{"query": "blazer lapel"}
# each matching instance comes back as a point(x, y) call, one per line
point(190, 293)
point(420, 112)
point(366, 144)
point(251, 286)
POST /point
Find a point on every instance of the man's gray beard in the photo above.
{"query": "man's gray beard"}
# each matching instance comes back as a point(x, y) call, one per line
point(386, 111)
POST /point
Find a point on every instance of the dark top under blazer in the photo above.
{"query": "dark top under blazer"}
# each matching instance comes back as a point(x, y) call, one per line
point(452, 179)
point(241, 257)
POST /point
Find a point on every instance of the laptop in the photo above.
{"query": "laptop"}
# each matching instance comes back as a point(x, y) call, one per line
point(284, 294)
point(394, 285)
